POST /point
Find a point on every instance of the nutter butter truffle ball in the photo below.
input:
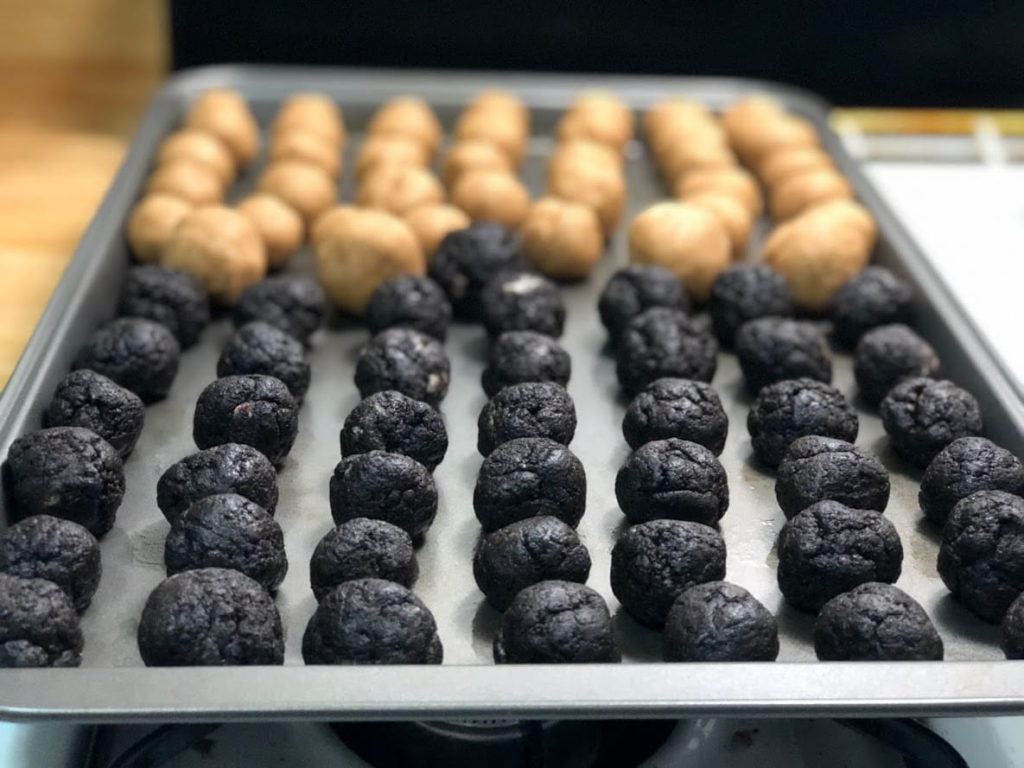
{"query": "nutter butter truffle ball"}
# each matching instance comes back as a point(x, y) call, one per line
point(887, 355)
point(393, 422)
point(384, 486)
point(966, 466)
point(362, 548)
point(409, 301)
point(167, 296)
point(872, 298)
point(86, 399)
point(138, 354)
point(522, 301)
point(719, 621)
point(1012, 630)
point(662, 342)
point(682, 408)
point(519, 356)
point(293, 303)
point(259, 347)
point(531, 409)
point(636, 288)
point(405, 360)
point(816, 468)
point(746, 292)
point(38, 625)
point(923, 416)
point(772, 349)
point(467, 259)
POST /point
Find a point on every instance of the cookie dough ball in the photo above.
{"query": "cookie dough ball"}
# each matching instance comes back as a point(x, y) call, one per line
point(45, 547)
point(875, 622)
point(801, 191)
point(140, 355)
point(779, 165)
point(816, 468)
point(1012, 630)
point(922, 416)
point(151, 224)
point(719, 621)
point(522, 301)
point(362, 548)
point(293, 303)
point(492, 196)
point(681, 158)
point(188, 180)
point(393, 422)
point(225, 113)
point(733, 215)
point(305, 187)
point(176, 628)
point(261, 348)
point(601, 188)
point(499, 103)
point(561, 238)
point(786, 410)
point(278, 224)
point(307, 146)
point(254, 410)
point(520, 356)
point(735, 183)
point(432, 222)
point(169, 297)
point(38, 625)
point(467, 259)
point(758, 132)
point(830, 548)
point(662, 342)
point(200, 147)
point(567, 155)
point(771, 349)
point(887, 355)
point(379, 150)
point(965, 466)
point(676, 408)
point(480, 123)
point(636, 288)
point(384, 486)
point(371, 621)
point(872, 298)
point(474, 155)
point(530, 409)
point(87, 399)
point(409, 301)
point(747, 292)
point(405, 360)
point(598, 116)
point(399, 189)
point(529, 477)
point(313, 112)
point(653, 563)
point(410, 117)
point(230, 468)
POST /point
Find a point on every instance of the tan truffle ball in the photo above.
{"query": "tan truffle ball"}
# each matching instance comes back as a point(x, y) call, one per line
point(278, 223)
point(313, 112)
point(801, 191)
point(398, 189)
point(493, 195)
point(749, 111)
point(504, 104)
point(226, 114)
point(385, 149)
point(680, 158)
point(410, 117)
point(488, 125)
point(668, 115)
point(431, 223)
point(598, 116)
point(221, 247)
point(732, 213)
point(473, 155)
point(310, 147)
point(187, 179)
point(583, 152)
point(153, 219)
point(734, 182)
point(305, 187)
point(561, 238)
point(759, 139)
point(779, 165)
point(200, 147)
point(602, 189)
point(685, 239)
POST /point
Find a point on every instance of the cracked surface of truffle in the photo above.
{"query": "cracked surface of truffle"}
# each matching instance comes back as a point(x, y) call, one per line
point(362, 548)
point(467, 259)
point(887, 355)
point(682, 408)
point(816, 468)
point(384, 486)
point(719, 621)
point(662, 342)
point(140, 355)
point(88, 399)
point(409, 301)
point(636, 288)
point(38, 624)
point(516, 357)
point(259, 347)
point(167, 296)
point(871, 298)
point(531, 409)
point(746, 292)
point(393, 422)
point(407, 361)
point(293, 303)
point(966, 466)
point(522, 301)
point(253, 409)
point(922, 416)
point(771, 349)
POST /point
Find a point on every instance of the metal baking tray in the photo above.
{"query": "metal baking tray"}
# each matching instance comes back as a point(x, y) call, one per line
point(113, 685)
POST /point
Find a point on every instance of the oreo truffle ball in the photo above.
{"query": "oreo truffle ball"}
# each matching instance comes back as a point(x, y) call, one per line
point(362, 548)
point(522, 301)
point(384, 486)
point(663, 342)
point(772, 349)
point(529, 477)
point(830, 548)
point(68, 472)
point(981, 559)
point(45, 547)
point(38, 624)
point(407, 361)
point(409, 301)
point(786, 410)
point(259, 347)
point(637, 288)
point(467, 259)
point(816, 468)
point(210, 617)
point(887, 355)
point(228, 468)
point(923, 416)
point(393, 422)
point(520, 356)
point(228, 531)
point(1011, 630)
point(966, 466)
point(293, 303)
point(170, 297)
point(719, 621)
point(871, 298)
point(254, 409)
point(747, 292)
point(371, 621)
point(681, 408)
point(531, 409)
point(138, 354)
point(673, 479)
point(524, 553)
point(653, 563)
point(87, 399)
point(556, 622)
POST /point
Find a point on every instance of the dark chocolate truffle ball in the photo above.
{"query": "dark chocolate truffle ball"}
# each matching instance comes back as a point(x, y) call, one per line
point(981, 559)
point(210, 617)
point(524, 553)
point(653, 563)
point(409, 301)
point(138, 354)
point(683, 408)
point(259, 347)
point(636, 288)
point(371, 621)
point(67, 472)
point(45, 547)
point(719, 621)
point(746, 292)
point(529, 477)
point(662, 342)
point(556, 622)
point(38, 624)
point(873, 297)
point(816, 468)
point(673, 479)
point(772, 349)
point(467, 259)
point(887, 355)
point(86, 399)
point(1012, 630)
point(362, 548)
point(293, 303)
point(830, 548)
point(522, 301)
point(254, 409)
point(786, 410)
point(531, 409)
point(875, 622)
point(168, 296)
point(384, 486)
point(520, 356)
point(228, 531)
point(923, 416)
point(966, 466)
point(228, 468)
point(393, 422)
point(407, 361)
